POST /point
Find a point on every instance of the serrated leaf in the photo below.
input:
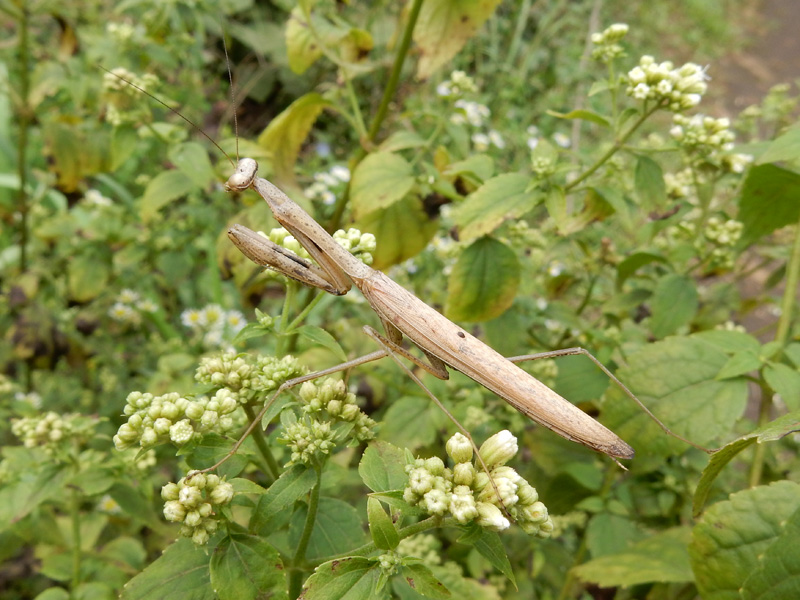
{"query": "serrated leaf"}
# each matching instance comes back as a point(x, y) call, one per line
point(584, 115)
point(350, 578)
point(730, 341)
point(729, 541)
point(785, 381)
point(674, 304)
point(180, 572)
point(769, 432)
point(443, 27)
point(784, 147)
point(499, 199)
point(491, 548)
point(246, 566)
point(289, 487)
point(323, 338)
point(402, 230)
point(633, 263)
point(339, 526)
point(381, 527)
point(792, 352)
point(479, 165)
point(411, 422)
point(382, 468)
point(740, 363)
point(161, 190)
point(484, 281)
point(649, 183)
point(192, 160)
point(778, 573)
point(286, 133)
point(380, 180)
point(210, 450)
point(422, 580)
point(676, 379)
point(661, 558)
point(768, 202)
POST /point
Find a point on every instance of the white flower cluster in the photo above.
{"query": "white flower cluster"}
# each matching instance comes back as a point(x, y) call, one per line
point(193, 501)
point(424, 546)
point(213, 323)
point(474, 113)
point(128, 308)
point(245, 377)
point(326, 182)
point(331, 395)
point(360, 245)
point(680, 184)
point(96, 199)
point(51, 430)
point(468, 494)
point(711, 139)
point(482, 141)
point(171, 417)
point(459, 84)
point(122, 98)
point(716, 246)
point(677, 89)
point(605, 43)
point(309, 441)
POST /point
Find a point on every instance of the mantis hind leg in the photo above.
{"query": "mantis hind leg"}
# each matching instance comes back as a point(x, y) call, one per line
point(577, 351)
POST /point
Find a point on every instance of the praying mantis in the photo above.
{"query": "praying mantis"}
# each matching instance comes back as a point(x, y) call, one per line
point(443, 342)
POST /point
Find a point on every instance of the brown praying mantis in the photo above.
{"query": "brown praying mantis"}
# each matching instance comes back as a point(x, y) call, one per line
point(403, 314)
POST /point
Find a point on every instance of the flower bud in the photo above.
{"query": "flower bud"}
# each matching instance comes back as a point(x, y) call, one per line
point(490, 517)
point(170, 491)
point(350, 412)
point(192, 519)
point(222, 493)
point(181, 432)
point(459, 448)
point(435, 465)
point(200, 537)
point(162, 425)
point(205, 509)
point(499, 449)
point(174, 511)
point(149, 437)
point(464, 473)
point(190, 496)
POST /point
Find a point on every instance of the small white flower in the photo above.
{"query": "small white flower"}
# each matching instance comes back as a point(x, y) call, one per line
point(341, 173)
point(562, 139)
point(496, 139)
point(481, 141)
point(193, 318)
point(532, 142)
point(235, 320)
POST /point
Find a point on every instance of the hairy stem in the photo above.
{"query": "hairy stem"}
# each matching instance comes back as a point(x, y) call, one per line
point(272, 465)
point(296, 575)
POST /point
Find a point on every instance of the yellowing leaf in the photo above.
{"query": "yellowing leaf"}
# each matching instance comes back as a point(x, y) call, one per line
point(444, 26)
point(380, 180)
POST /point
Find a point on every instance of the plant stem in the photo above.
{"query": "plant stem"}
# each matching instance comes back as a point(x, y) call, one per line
point(307, 309)
point(258, 436)
point(383, 108)
point(75, 509)
point(295, 575)
point(790, 292)
point(24, 125)
point(516, 38)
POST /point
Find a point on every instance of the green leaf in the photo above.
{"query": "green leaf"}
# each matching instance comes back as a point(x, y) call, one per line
point(19, 498)
point(350, 578)
point(768, 202)
point(661, 558)
point(402, 230)
point(633, 263)
point(480, 166)
point(286, 133)
point(785, 381)
point(676, 379)
point(778, 573)
point(729, 543)
point(739, 364)
point(499, 199)
point(784, 147)
point(161, 190)
point(444, 26)
point(556, 202)
point(382, 467)
point(483, 282)
point(769, 432)
point(381, 527)
point(88, 276)
point(124, 141)
point(210, 450)
point(649, 183)
point(401, 140)
point(792, 352)
point(246, 566)
point(585, 115)
point(491, 548)
point(411, 422)
point(609, 534)
point(674, 304)
point(191, 159)
point(323, 338)
point(730, 341)
point(423, 581)
point(180, 572)
point(337, 528)
point(380, 180)
point(292, 485)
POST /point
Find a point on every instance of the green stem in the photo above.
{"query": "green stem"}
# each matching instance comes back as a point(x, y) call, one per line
point(383, 108)
point(258, 437)
point(757, 465)
point(75, 509)
point(304, 313)
point(288, 300)
point(296, 575)
point(790, 292)
point(516, 39)
point(618, 144)
point(24, 125)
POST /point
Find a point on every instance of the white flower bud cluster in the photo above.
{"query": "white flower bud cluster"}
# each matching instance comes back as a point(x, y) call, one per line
point(331, 395)
point(680, 184)
point(326, 182)
point(724, 235)
point(458, 85)
point(542, 166)
point(245, 377)
point(158, 419)
point(123, 100)
point(310, 441)
point(605, 43)
point(423, 546)
point(194, 502)
point(710, 140)
point(466, 492)
point(50, 431)
point(474, 113)
point(360, 245)
point(389, 562)
point(678, 89)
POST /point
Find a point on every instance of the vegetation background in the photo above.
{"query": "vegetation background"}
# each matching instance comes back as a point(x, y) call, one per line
point(549, 209)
